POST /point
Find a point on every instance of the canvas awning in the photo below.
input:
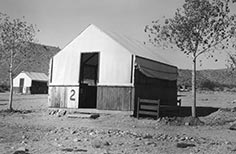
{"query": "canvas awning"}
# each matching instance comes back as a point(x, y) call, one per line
point(155, 69)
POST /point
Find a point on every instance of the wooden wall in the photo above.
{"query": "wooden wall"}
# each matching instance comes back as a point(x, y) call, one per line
point(115, 98)
point(108, 97)
point(63, 96)
point(151, 88)
point(167, 96)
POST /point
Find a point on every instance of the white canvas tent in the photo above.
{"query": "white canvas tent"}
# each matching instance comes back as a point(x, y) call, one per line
point(100, 67)
point(30, 83)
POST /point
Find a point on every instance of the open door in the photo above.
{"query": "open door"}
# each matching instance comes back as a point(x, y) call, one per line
point(21, 86)
point(88, 80)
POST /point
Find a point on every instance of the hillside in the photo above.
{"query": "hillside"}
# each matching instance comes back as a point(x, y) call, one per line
point(220, 78)
point(39, 62)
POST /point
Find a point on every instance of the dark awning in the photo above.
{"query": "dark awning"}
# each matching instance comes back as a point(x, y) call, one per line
point(155, 69)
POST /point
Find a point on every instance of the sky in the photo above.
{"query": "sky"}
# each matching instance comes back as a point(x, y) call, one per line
point(60, 21)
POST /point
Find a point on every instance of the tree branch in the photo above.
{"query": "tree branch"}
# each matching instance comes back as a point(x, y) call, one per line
point(213, 45)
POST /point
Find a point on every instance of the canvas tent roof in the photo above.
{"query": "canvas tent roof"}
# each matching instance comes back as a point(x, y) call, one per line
point(154, 70)
point(115, 60)
point(149, 62)
point(36, 76)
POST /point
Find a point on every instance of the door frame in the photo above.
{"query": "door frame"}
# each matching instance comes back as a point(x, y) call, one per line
point(82, 86)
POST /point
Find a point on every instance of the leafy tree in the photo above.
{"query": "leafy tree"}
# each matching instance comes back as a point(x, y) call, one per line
point(16, 37)
point(200, 27)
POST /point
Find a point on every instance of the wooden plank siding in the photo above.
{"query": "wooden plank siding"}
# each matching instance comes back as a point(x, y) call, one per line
point(108, 97)
point(59, 96)
point(115, 98)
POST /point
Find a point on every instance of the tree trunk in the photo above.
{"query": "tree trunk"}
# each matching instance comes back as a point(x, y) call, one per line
point(194, 87)
point(11, 83)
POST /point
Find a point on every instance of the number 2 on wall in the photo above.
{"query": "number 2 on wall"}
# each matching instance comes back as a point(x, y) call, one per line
point(72, 98)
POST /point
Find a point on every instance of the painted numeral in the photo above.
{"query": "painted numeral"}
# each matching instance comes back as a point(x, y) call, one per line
point(72, 96)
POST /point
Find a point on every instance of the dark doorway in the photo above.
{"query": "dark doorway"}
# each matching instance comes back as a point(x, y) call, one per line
point(88, 80)
point(22, 80)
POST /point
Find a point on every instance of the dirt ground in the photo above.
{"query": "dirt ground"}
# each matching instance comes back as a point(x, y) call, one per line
point(35, 129)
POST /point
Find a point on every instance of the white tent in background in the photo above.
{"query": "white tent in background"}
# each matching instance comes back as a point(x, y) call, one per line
point(30, 83)
point(103, 70)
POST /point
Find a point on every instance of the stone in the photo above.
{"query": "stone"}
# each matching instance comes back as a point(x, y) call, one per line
point(73, 132)
point(233, 109)
point(233, 127)
point(138, 138)
point(55, 131)
point(176, 138)
point(147, 136)
point(184, 145)
point(148, 143)
point(106, 143)
point(52, 112)
point(233, 149)
point(35, 139)
point(21, 150)
point(196, 149)
point(96, 144)
point(63, 112)
point(59, 145)
point(228, 142)
point(182, 138)
point(24, 142)
point(192, 140)
point(165, 137)
point(186, 123)
point(76, 140)
point(94, 116)
point(92, 133)
point(23, 137)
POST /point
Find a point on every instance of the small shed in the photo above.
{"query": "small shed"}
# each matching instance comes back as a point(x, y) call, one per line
point(30, 83)
point(104, 70)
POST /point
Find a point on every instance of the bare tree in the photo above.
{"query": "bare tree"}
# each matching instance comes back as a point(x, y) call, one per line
point(16, 37)
point(199, 27)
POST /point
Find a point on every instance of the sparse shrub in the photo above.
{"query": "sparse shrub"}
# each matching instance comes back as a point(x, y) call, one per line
point(210, 85)
point(4, 87)
point(233, 89)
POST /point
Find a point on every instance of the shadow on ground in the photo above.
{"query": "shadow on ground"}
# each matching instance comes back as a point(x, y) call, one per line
point(11, 112)
point(182, 112)
point(186, 111)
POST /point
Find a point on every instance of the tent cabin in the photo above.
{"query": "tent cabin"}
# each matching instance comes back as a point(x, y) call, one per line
point(30, 83)
point(103, 70)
